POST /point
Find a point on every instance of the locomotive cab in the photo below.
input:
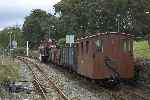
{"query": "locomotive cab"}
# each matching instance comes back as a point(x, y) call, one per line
point(43, 49)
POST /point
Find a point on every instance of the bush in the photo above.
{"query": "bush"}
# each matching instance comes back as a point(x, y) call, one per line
point(61, 43)
point(142, 71)
point(19, 52)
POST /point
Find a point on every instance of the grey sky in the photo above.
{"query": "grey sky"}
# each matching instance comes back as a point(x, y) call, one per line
point(12, 12)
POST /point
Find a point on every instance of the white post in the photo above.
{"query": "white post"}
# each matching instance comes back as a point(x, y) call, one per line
point(10, 40)
point(27, 48)
point(10, 43)
point(70, 45)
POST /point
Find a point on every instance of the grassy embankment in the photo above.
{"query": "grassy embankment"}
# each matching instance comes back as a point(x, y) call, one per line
point(9, 70)
point(141, 49)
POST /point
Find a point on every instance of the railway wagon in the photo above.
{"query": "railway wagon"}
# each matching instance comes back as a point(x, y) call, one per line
point(65, 57)
point(68, 58)
point(106, 56)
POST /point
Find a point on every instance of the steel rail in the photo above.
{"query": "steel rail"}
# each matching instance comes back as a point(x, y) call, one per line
point(36, 80)
point(49, 80)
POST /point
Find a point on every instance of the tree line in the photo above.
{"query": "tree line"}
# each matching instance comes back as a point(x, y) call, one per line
point(11, 33)
point(86, 17)
point(89, 16)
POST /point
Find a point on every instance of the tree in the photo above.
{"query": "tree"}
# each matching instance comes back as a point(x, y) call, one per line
point(4, 39)
point(86, 17)
point(16, 34)
point(40, 24)
point(90, 16)
point(34, 27)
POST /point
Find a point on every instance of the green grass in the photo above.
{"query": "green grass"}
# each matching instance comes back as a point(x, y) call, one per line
point(9, 70)
point(141, 49)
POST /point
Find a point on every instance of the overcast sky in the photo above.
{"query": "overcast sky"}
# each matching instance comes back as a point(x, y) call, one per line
point(12, 12)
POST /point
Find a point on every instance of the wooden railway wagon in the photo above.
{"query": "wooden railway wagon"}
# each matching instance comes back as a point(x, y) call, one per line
point(105, 56)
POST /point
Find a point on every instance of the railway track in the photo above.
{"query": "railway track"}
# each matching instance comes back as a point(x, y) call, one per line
point(37, 83)
point(134, 93)
point(125, 93)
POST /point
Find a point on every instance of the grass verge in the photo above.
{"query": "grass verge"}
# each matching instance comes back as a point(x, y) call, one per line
point(9, 70)
point(141, 49)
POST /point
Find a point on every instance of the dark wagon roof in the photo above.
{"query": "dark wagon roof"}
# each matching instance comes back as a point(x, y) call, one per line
point(106, 33)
